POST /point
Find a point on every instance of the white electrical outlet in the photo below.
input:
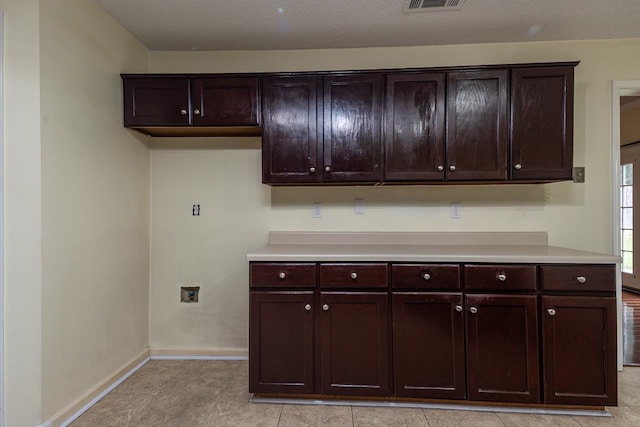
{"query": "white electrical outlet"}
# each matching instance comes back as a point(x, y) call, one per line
point(316, 210)
point(358, 206)
point(456, 210)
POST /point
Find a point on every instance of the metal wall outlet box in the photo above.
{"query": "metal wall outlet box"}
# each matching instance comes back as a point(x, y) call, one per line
point(578, 174)
point(189, 293)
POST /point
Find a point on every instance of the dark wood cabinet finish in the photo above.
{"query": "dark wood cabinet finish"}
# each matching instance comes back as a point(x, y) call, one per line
point(425, 276)
point(157, 102)
point(280, 274)
point(477, 128)
point(428, 345)
point(502, 348)
point(225, 101)
point(290, 149)
point(579, 350)
point(354, 344)
point(578, 278)
point(414, 127)
point(341, 275)
point(500, 277)
point(542, 123)
point(281, 342)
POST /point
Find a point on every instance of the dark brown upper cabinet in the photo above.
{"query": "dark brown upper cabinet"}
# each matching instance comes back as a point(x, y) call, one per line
point(321, 129)
point(191, 106)
point(542, 123)
point(477, 127)
point(414, 126)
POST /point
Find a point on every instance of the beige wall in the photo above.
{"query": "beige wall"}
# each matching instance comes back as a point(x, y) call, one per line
point(95, 203)
point(238, 211)
point(630, 126)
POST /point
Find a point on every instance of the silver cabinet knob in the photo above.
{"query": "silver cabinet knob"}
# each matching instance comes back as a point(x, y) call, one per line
point(517, 166)
point(502, 277)
point(325, 307)
point(183, 112)
point(196, 111)
point(354, 275)
point(282, 275)
point(473, 310)
point(551, 311)
point(440, 168)
point(581, 279)
point(307, 307)
point(426, 276)
point(452, 168)
point(312, 169)
point(327, 169)
point(458, 308)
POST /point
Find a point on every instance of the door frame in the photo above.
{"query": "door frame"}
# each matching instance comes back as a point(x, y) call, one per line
point(618, 88)
point(2, 399)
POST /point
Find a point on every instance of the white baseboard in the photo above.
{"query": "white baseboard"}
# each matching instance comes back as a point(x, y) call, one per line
point(181, 353)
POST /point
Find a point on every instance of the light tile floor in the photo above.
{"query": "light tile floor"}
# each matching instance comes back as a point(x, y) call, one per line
point(198, 393)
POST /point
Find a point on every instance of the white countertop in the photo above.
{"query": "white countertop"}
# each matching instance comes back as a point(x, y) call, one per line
point(502, 247)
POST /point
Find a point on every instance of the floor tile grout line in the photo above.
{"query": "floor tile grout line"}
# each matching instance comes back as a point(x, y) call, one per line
point(424, 414)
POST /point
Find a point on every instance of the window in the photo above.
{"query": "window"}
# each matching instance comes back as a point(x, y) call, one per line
point(626, 217)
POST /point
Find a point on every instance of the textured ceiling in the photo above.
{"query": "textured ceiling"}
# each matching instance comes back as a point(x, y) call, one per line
point(310, 24)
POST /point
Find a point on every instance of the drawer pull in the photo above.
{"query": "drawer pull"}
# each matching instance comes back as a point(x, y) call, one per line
point(458, 308)
point(473, 310)
point(440, 168)
point(307, 307)
point(551, 311)
point(426, 276)
point(183, 112)
point(581, 279)
point(196, 112)
point(282, 275)
point(325, 307)
point(502, 277)
point(354, 275)
point(312, 169)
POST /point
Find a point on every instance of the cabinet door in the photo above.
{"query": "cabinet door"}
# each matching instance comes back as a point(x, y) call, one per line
point(502, 348)
point(352, 117)
point(542, 123)
point(156, 102)
point(579, 350)
point(477, 125)
point(289, 130)
point(225, 101)
point(354, 344)
point(428, 345)
point(281, 342)
point(414, 127)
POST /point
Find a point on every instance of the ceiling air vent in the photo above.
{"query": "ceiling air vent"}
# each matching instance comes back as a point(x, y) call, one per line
point(411, 6)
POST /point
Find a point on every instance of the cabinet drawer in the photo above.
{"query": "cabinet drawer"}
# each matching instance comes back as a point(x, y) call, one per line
point(353, 275)
point(500, 277)
point(582, 278)
point(296, 275)
point(425, 276)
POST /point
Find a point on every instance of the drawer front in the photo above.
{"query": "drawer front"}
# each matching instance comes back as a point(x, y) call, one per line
point(579, 278)
point(425, 276)
point(500, 277)
point(343, 276)
point(279, 275)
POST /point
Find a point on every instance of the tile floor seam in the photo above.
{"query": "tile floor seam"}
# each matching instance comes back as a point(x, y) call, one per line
point(577, 420)
point(424, 414)
point(280, 414)
point(500, 419)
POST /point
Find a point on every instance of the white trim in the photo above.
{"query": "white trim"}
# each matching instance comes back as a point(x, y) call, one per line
point(2, 396)
point(199, 358)
point(207, 353)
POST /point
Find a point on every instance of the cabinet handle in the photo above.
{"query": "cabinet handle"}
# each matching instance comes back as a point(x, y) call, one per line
point(354, 275)
point(183, 112)
point(282, 275)
point(458, 308)
point(452, 168)
point(307, 307)
point(440, 168)
point(196, 111)
point(581, 279)
point(517, 166)
point(325, 307)
point(473, 310)
point(426, 276)
point(502, 277)
point(551, 311)
point(327, 169)
point(312, 169)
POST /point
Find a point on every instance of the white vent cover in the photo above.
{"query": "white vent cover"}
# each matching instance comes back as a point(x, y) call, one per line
point(411, 6)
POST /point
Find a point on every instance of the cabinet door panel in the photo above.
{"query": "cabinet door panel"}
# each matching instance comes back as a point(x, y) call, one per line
point(156, 102)
point(477, 125)
point(289, 130)
point(579, 350)
point(414, 127)
point(352, 150)
point(502, 348)
point(428, 345)
point(281, 342)
point(354, 344)
point(225, 101)
point(542, 123)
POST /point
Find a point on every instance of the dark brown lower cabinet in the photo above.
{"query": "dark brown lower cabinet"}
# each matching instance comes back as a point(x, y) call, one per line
point(502, 348)
point(428, 345)
point(281, 347)
point(354, 343)
point(579, 350)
